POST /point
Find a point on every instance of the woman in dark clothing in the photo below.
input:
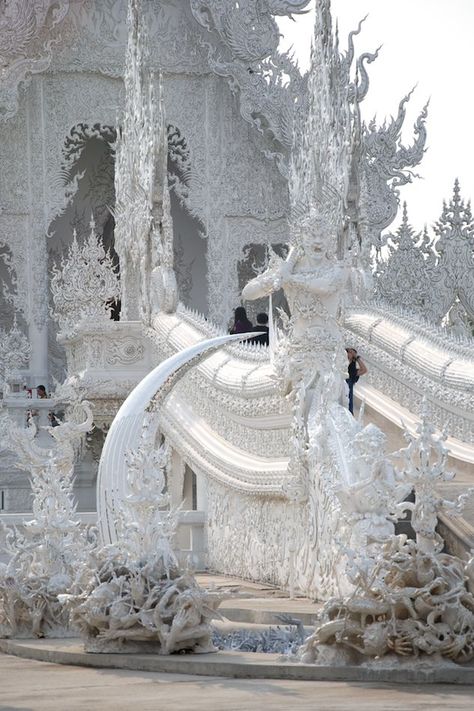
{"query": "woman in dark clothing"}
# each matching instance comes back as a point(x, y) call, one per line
point(241, 322)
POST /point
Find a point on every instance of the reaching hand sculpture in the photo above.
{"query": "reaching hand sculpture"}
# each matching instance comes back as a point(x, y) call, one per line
point(138, 598)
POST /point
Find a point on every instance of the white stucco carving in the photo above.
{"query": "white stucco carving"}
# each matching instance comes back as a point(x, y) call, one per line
point(15, 353)
point(385, 166)
point(138, 599)
point(433, 277)
point(266, 434)
point(27, 33)
point(52, 554)
point(85, 284)
point(144, 230)
point(242, 43)
point(413, 600)
point(127, 427)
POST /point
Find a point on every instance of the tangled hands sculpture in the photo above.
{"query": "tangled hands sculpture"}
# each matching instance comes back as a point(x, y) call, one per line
point(138, 606)
point(137, 599)
point(411, 599)
point(411, 603)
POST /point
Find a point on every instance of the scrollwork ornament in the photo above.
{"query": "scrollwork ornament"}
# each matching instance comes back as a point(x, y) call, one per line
point(28, 31)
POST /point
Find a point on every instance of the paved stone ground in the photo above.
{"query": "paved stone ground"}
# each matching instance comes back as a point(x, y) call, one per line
point(37, 686)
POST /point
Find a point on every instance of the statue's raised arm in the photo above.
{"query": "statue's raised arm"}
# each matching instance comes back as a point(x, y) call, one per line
point(272, 279)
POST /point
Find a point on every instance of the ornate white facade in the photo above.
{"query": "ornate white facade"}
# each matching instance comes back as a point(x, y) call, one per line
point(192, 147)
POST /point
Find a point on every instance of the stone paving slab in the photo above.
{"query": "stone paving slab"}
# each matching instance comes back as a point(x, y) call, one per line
point(239, 665)
point(257, 603)
point(266, 611)
point(28, 685)
point(221, 581)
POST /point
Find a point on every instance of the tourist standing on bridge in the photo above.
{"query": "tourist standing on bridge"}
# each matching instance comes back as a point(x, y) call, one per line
point(355, 369)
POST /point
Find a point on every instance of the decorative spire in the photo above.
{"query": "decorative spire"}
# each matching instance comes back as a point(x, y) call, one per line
point(405, 215)
point(85, 283)
point(320, 163)
point(424, 469)
point(141, 173)
point(455, 214)
point(452, 277)
point(401, 277)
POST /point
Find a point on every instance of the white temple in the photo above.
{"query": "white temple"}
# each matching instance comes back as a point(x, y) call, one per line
point(164, 163)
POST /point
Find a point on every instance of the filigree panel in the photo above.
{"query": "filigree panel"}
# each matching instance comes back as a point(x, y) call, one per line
point(67, 101)
point(84, 285)
point(242, 40)
point(28, 31)
point(13, 238)
point(246, 538)
point(15, 352)
point(98, 36)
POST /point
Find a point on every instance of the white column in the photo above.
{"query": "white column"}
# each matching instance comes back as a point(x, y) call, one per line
point(38, 337)
point(201, 492)
point(176, 479)
point(37, 126)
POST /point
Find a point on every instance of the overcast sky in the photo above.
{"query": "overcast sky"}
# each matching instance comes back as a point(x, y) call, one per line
point(425, 42)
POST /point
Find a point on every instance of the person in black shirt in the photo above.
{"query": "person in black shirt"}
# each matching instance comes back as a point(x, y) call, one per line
point(355, 369)
point(262, 325)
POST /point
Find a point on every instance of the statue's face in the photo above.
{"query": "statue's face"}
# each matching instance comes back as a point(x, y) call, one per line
point(314, 240)
point(370, 445)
